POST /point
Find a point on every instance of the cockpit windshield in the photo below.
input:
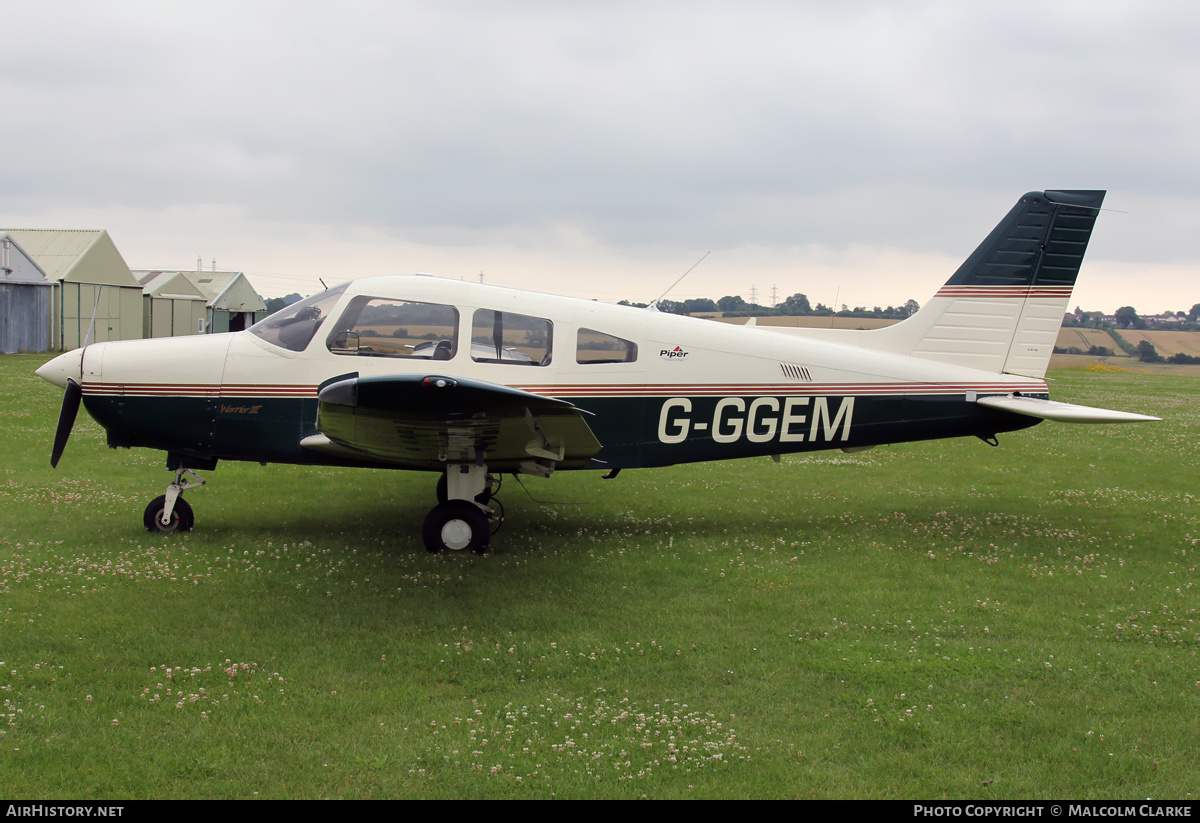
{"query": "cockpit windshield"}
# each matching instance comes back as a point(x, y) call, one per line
point(293, 327)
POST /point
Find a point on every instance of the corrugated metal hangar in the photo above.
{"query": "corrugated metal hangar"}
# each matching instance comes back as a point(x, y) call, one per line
point(24, 300)
point(232, 303)
point(173, 306)
point(93, 287)
point(62, 288)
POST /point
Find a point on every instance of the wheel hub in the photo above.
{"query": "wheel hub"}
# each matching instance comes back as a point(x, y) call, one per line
point(456, 534)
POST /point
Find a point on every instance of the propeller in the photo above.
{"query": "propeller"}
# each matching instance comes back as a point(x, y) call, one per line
point(66, 420)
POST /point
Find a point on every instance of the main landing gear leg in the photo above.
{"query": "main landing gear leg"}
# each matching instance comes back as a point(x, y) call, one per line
point(461, 522)
point(170, 512)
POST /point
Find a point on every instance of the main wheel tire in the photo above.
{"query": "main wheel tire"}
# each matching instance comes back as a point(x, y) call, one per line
point(456, 525)
point(182, 518)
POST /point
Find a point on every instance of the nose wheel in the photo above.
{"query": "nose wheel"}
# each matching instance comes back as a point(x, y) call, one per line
point(180, 519)
point(169, 512)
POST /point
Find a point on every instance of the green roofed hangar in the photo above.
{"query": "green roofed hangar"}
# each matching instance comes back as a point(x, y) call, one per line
point(62, 288)
point(231, 303)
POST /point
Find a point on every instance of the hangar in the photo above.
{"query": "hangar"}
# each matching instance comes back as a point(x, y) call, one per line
point(92, 286)
point(232, 304)
point(173, 305)
point(24, 300)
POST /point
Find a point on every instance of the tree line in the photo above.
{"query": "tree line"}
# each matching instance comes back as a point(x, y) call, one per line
point(733, 305)
point(1127, 317)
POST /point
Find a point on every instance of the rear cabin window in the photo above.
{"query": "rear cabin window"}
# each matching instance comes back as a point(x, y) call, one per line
point(379, 327)
point(593, 346)
point(506, 337)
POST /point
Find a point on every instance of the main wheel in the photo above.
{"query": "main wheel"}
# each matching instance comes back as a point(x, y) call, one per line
point(182, 518)
point(456, 525)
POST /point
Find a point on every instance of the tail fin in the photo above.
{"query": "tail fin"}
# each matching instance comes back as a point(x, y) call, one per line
point(1002, 309)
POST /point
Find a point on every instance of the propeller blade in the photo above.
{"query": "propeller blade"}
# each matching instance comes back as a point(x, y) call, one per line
point(66, 420)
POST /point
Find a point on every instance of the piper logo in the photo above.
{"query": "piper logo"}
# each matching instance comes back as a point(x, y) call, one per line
point(671, 353)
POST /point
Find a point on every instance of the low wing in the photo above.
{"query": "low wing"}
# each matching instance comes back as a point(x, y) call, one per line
point(1061, 412)
point(427, 421)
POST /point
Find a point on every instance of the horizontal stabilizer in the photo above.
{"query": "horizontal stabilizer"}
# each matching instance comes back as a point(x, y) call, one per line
point(1062, 412)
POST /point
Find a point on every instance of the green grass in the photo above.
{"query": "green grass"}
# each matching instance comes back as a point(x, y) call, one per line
point(925, 621)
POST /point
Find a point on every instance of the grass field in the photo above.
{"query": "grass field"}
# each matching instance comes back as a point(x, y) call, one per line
point(942, 620)
point(1166, 341)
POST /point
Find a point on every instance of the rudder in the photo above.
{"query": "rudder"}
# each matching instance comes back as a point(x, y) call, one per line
point(1002, 309)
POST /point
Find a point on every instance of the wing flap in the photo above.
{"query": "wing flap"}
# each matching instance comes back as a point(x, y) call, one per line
point(427, 421)
point(1060, 412)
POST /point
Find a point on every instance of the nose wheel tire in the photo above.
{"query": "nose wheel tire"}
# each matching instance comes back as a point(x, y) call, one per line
point(456, 525)
point(181, 516)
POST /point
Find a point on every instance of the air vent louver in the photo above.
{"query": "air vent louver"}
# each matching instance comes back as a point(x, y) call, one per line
point(793, 372)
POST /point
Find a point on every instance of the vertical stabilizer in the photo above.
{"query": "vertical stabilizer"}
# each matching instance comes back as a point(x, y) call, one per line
point(1001, 311)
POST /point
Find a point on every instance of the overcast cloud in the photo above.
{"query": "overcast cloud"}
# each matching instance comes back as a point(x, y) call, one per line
point(858, 149)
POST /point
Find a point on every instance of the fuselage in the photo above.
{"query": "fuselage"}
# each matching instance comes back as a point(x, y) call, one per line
point(656, 389)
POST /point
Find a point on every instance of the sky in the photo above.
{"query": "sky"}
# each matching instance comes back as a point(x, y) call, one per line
point(856, 152)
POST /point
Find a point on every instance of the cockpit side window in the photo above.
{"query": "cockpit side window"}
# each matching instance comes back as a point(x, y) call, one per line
point(593, 346)
point(293, 327)
point(381, 327)
point(507, 337)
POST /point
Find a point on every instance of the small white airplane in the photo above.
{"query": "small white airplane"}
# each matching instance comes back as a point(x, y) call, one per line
point(473, 381)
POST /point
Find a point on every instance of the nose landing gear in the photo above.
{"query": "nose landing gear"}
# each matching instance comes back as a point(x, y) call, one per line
point(170, 512)
point(180, 519)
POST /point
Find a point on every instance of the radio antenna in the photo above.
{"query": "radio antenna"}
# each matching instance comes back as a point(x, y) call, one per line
point(654, 303)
